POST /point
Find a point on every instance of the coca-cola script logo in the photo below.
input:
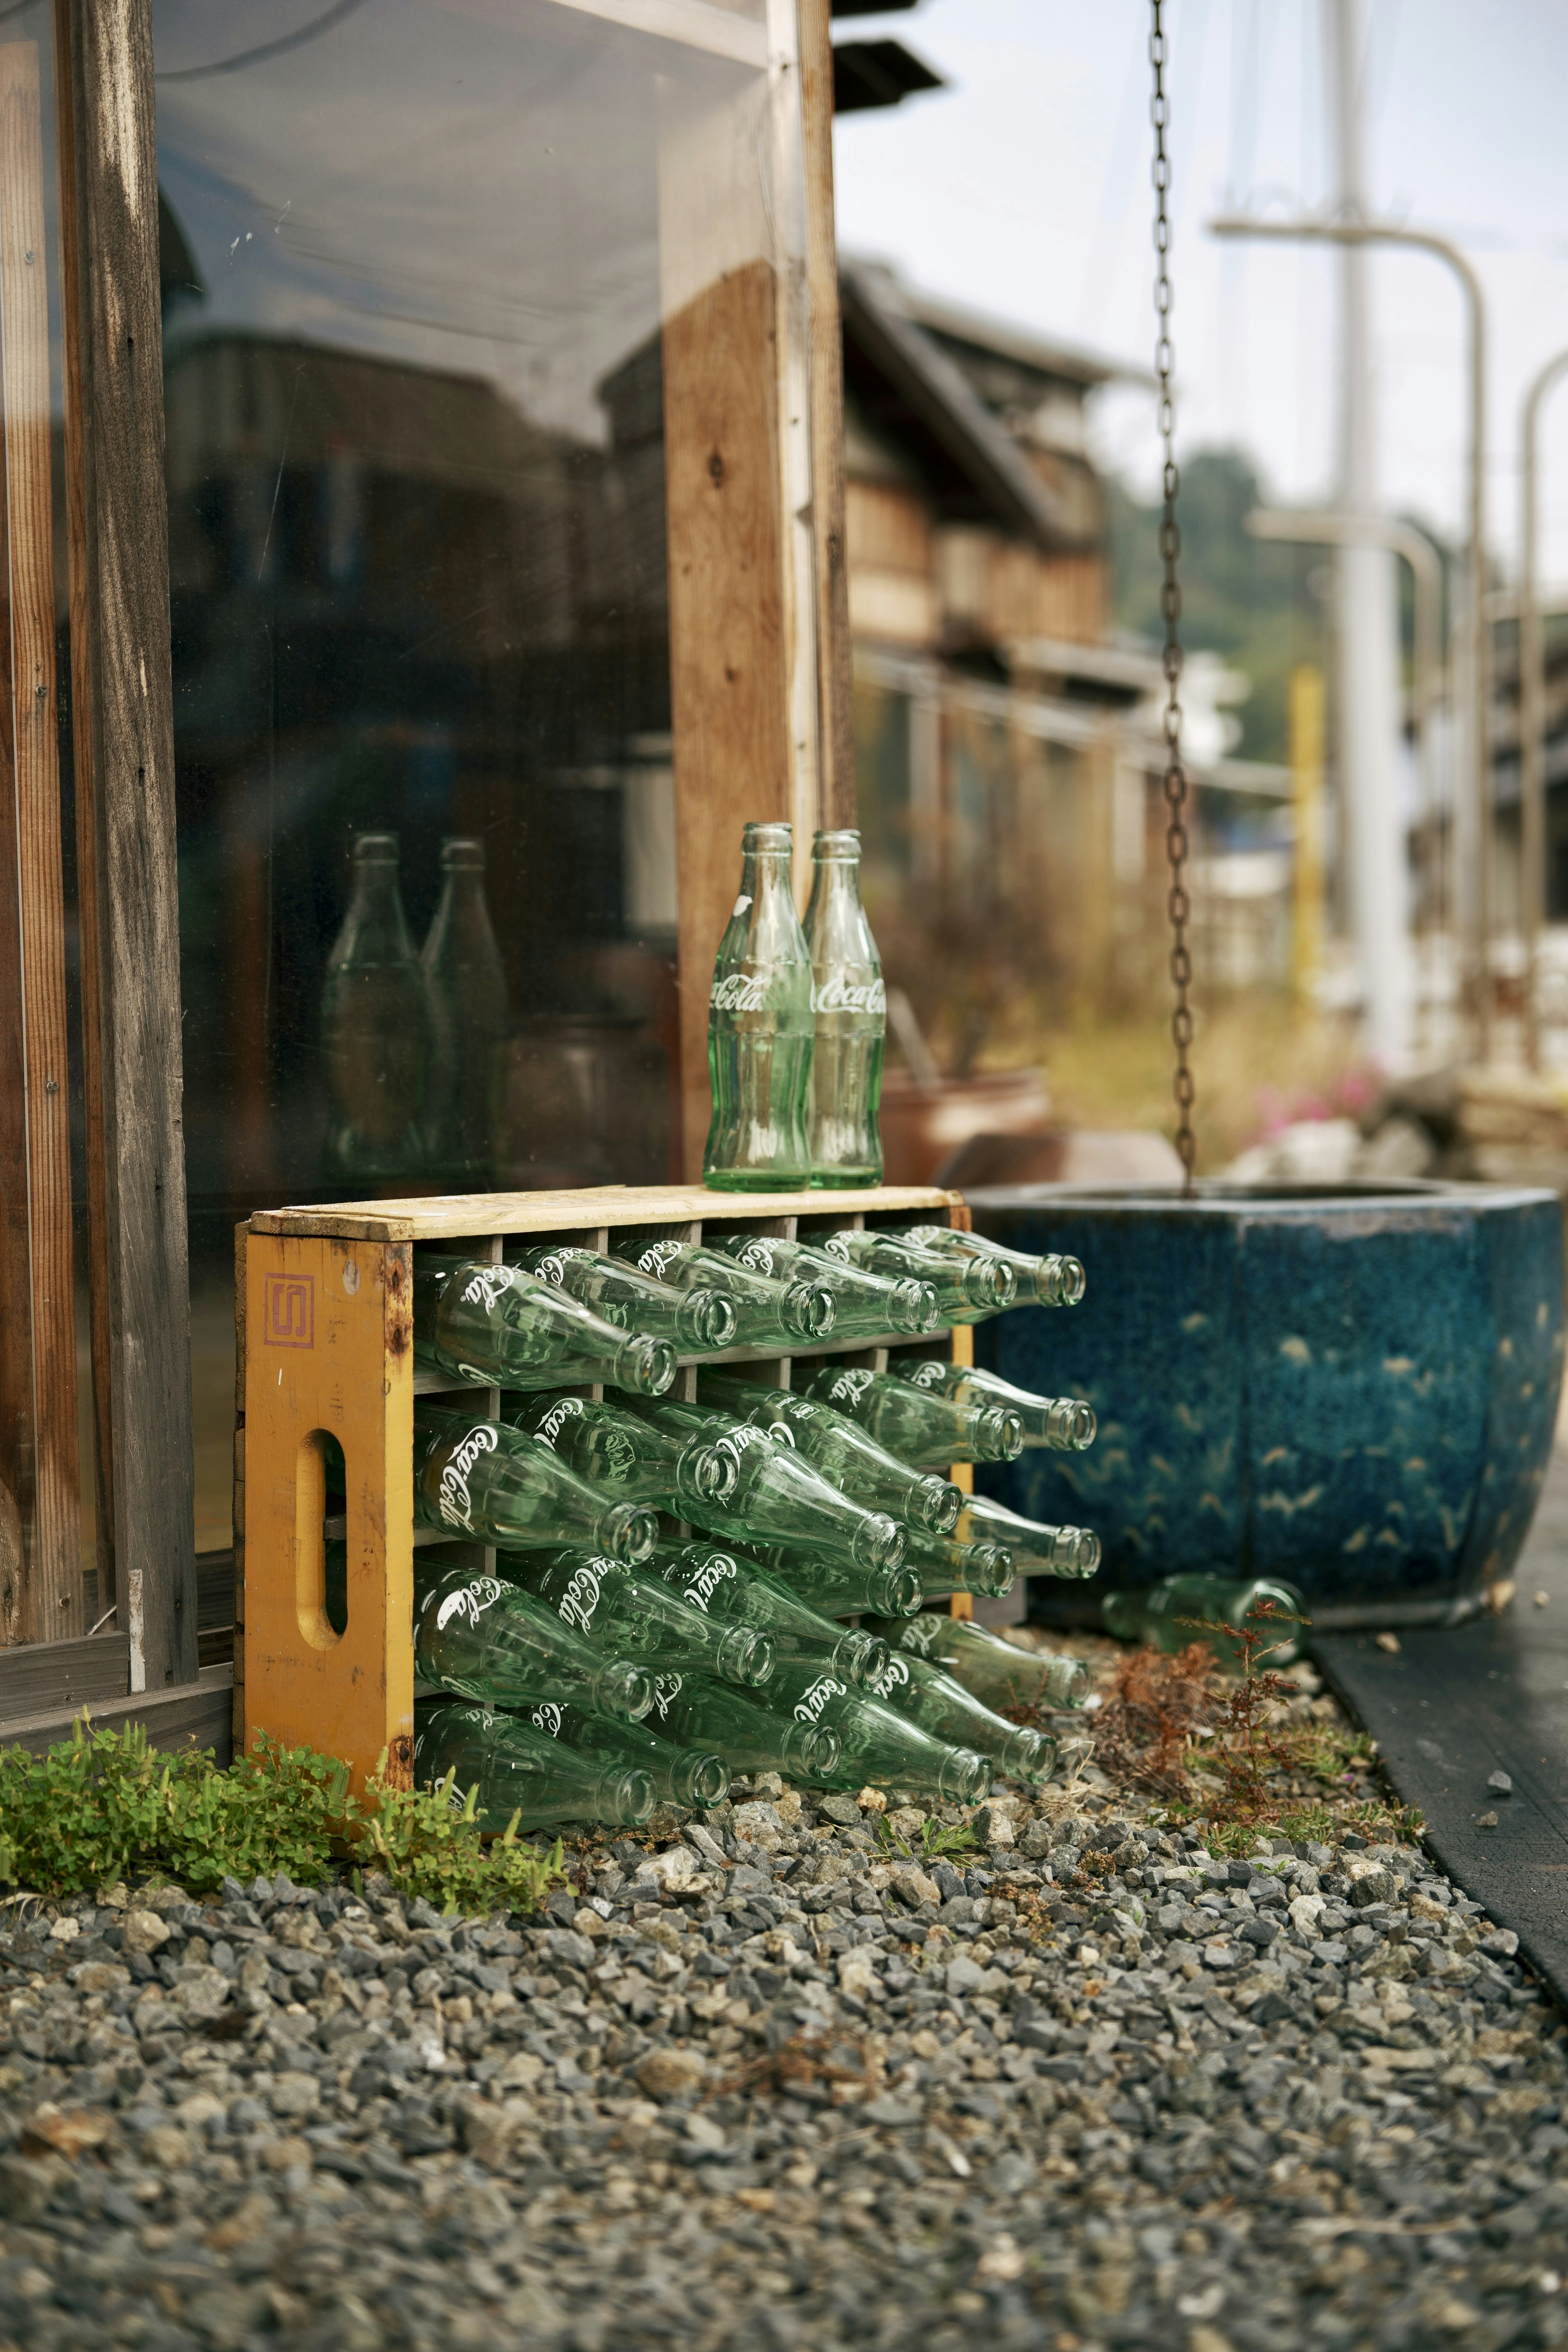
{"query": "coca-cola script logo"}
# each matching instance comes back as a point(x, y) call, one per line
point(550, 1428)
point(666, 1689)
point(920, 1635)
point(580, 1597)
point(548, 1720)
point(848, 1386)
point(736, 1442)
point(469, 1602)
point(837, 994)
point(895, 1675)
point(742, 992)
point(453, 1501)
point(809, 1706)
point(708, 1576)
point(758, 1257)
point(553, 1268)
point(928, 1375)
point(487, 1284)
point(658, 1256)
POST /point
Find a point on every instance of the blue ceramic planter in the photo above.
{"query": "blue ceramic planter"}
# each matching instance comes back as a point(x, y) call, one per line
point(1354, 1389)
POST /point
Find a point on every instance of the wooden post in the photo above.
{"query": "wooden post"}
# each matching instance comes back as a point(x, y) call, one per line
point(125, 797)
point(834, 651)
point(1307, 792)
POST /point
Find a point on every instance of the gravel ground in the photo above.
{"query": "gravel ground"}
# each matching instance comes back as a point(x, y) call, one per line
point(761, 2083)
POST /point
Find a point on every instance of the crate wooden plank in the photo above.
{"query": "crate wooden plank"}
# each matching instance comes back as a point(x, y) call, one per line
point(456, 1216)
point(53, 1675)
point(193, 1715)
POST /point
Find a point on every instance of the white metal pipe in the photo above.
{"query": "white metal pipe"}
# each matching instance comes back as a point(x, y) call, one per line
point(1533, 699)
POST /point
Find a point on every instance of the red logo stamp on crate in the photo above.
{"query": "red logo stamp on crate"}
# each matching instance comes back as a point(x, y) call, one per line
point(290, 1317)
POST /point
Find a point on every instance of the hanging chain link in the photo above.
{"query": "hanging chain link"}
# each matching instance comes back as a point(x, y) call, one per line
point(1178, 906)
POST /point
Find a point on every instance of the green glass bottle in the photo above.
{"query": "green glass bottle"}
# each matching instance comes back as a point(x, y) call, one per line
point(768, 1314)
point(467, 981)
point(635, 1616)
point(378, 1039)
point(1041, 1281)
point(481, 1479)
point(680, 1776)
point(1037, 1549)
point(733, 1589)
point(869, 1304)
point(940, 1705)
point(879, 1748)
point(967, 1289)
point(497, 1326)
point(845, 1454)
point(849, 1011)
point(694, 1322)
point(521, 1778)
point(925, 1431)
point(778, 1498)
point(612, 1448)
point(489, 1641)
point(987, 1665)
point(832, 1585)
point(946, 1564)
point(1066, 1424)
point(693, 1709)
point(760, 1029)
point(1180, 1610)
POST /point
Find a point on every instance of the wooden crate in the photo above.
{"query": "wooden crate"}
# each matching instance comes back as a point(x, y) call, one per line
point(325, 1316)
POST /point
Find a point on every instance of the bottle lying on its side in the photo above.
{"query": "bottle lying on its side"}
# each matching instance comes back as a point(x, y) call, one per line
point(1037, 1549)
point(692, 1320)
point(843, 1452)
point(946, 1564)
point(830, 1582)
point(680, 1776)
point(767, 1314)
point(880, 1748)
point(926, 1431)
point(1064, 1423)
point(868, 1303)
point(987, 1665)
point(750, 1737)
point(478, 1479)
point(943, 1707)
point(636, 1616)
point(612, 1448)
point(499, 1327)
point(487, 1640)
point(731, 1589)
point(1041, 1281)
point(1213, 1609)
point(967, 1288)
point(517, 1772)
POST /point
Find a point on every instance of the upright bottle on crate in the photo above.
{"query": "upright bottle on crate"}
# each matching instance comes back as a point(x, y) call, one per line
point(377, 1032)
point(849, 1011)
point(760, 1029)
point(467, 981)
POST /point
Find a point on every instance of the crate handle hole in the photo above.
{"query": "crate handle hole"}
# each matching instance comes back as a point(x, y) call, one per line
point(316, 1626)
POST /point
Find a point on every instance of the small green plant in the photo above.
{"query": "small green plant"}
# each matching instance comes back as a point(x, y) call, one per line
point(430, 1842)
point(936, 1839)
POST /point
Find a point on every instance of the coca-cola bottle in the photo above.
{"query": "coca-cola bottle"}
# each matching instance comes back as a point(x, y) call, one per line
point(760, 1029)
point(377, 1032)
point(467, 999)
point(849, 1011)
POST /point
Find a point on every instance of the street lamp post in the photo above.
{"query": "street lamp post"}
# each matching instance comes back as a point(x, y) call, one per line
point(1532, 700)
point(1424, 241)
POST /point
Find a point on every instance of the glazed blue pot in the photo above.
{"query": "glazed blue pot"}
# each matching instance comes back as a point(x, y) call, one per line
point(1353, 1388)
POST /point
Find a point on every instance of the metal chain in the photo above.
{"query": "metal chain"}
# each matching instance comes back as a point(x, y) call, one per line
point(1178, 906)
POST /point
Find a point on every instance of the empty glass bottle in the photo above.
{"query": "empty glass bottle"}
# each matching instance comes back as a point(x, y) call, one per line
point(733, 1589)
point(986, 1665)
point(1179, 1610)
point(467, 981)
point(767, 1314)
point(832, 1584)
point(694, 1320)
point(778, 1498)
point(868, 1304)
point(680, 1776)
point(521, 1776)
point(750, 1737)
point(843, 1452)
point(613, 1448)
point(923, 1430)
point(483, 1480)
point(1064, 1423)
point(498, 1326)
point(1036, 1548)
point(849, 1010)
point(760, 1029)
point(636, 1616)
point(377, 1031)
point(1041, 1281)
point(880, 1748)
point(946, 1564)
point(967, 1288)
point(940, 1706)
point(490, 1640)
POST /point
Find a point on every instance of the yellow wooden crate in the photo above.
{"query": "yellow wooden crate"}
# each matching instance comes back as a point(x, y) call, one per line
point(324, 1307)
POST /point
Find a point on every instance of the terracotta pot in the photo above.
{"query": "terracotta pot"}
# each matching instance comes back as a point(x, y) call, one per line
point(924, 1126)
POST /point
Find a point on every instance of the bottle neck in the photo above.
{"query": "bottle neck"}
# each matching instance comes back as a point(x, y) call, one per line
point(375, 921)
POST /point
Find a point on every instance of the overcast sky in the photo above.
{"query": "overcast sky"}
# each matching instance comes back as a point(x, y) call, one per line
point(1023, 190)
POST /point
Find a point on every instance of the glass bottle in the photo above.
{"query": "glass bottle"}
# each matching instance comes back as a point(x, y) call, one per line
point(694, 1320)
point(831, 1583)
point(931, 1697)
point(760, 1029)
point(499, 1327)
point(846, 1456)
point(1041, 1281)
point(850, 1009)
point(767, 1314)
point(870, 1304)
point(925, 1431)
point(680, 1776)
point(967, 1288)
point(1217, 1610)
point(987, 1665)
point(733, 1589)
point(467, 981)
point(520, 1775)
point(1066, 1424)
point(611, 1447)
point(946, 1564)
point(377, 1032)
point(879, 1748)
point(1036, 1548)
point(778, 1498)
point(750, 1737)
point(481, 1479)
point(635, 1616)
point(489, 1641)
